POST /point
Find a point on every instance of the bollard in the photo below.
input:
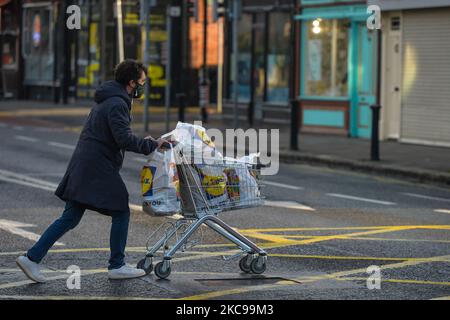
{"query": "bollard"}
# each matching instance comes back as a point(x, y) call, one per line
point(294, 125)
point(181, 98)
point(375, 143)
point(204, 100)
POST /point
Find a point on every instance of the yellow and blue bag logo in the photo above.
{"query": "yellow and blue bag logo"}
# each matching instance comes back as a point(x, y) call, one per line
point(214, 186)
point(147, 176)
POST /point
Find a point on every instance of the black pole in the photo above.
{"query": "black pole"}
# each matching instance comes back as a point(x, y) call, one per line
point(181, 98)
point(375, 143)
point(292, 80)
point(204, 85)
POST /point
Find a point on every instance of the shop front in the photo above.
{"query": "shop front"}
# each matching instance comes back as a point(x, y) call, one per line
point(263, 63)
point(39, 49)
point(97, 45)
point(337, 69)
point(9, 44)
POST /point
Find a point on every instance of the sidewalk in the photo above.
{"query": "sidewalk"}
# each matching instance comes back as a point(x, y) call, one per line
point(416, 163)
point(413, 162)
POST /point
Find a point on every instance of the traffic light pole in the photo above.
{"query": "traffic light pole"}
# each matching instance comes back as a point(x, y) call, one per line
point(168, 99)
point(292, 87)
point(204, 85)
point(120, 30)
point(146, 19)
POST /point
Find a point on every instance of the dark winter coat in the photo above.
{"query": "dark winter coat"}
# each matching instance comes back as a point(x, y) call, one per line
point(92, 178)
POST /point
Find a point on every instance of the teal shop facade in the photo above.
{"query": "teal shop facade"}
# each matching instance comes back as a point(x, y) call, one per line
point(338, 67)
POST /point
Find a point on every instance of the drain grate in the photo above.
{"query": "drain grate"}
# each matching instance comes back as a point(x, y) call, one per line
point(248, 281)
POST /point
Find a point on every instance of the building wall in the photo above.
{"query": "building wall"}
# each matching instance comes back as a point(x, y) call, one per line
point(426, 76)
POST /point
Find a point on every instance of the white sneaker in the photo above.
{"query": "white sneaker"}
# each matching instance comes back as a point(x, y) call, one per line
point(31, 269)
point(126, 272)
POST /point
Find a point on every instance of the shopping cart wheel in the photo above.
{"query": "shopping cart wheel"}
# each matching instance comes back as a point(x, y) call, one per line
point(258, 265)
point(146, 265)
point(245, 263)
point(161, 270)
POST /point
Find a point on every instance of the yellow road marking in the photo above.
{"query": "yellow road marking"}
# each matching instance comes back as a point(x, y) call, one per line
point(332, 276)
point(443, 227)
point(95, 271)
point(376, 239)
point(56, 298)
point(442, 298)
point(301, 256)
point(406, 281)
point(60, 277)
point(280, 239)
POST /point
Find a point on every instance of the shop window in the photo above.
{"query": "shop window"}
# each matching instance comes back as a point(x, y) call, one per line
point(88, 62)
point(9, 52)
point(38, 44)
point(278, 58)
point(326, 58)
point(244, 60)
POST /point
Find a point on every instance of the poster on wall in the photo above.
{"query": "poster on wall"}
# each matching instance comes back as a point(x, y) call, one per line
point(315, 60)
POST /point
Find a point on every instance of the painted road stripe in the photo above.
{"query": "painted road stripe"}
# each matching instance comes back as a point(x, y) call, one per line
point(28, 179)
point(282, 185)
point(288, 205)
point(311, 279)
point(16, 228)
point(27, 184)
point(61, 145)
point(421, 196)
point(442, 211)
point(27, 139)
point(442, 298)
point(343, 196)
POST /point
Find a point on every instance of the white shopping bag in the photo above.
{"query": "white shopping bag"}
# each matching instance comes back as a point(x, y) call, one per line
point(193, 141)
point(160, 185)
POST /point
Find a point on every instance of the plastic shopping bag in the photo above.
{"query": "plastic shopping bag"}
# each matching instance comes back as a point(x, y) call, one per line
point(203, 188)
point(160, 185)
point(242, 183)
point(193, 141)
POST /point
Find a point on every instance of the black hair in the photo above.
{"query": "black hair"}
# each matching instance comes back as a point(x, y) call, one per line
point(129, 70)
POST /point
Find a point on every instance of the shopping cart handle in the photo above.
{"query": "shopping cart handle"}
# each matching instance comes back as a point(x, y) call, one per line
point(259, 166)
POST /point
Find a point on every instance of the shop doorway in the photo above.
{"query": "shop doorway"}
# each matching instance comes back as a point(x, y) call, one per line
point(364, 65)
point(392, 70)
point(258, 66)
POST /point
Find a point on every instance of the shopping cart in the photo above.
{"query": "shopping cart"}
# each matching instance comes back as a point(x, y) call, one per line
point(227, 185)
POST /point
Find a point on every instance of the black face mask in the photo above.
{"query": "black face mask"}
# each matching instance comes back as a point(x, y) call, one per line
point(139, 90)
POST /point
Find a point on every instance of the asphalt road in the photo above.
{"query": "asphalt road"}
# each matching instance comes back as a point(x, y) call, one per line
point(322, 229)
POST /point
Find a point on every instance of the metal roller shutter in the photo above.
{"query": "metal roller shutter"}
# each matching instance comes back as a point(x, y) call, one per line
point(426, 77)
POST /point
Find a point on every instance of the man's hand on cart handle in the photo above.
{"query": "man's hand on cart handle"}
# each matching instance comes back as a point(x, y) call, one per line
point(163, 144)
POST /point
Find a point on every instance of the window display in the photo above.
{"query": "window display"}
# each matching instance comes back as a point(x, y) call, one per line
point(326, 61)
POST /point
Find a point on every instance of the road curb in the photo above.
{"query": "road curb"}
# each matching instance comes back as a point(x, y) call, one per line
point(389, 170)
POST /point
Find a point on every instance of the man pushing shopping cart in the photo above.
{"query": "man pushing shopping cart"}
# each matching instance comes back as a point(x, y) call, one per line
point(180, 179)
point(92, 180)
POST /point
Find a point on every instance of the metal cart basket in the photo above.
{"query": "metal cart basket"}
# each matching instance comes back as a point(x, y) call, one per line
point(207, 189)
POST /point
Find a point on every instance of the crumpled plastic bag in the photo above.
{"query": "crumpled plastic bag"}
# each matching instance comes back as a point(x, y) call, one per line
point(195, 144)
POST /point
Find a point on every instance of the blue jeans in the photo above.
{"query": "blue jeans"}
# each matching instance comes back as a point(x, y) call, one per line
point(70, 218)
